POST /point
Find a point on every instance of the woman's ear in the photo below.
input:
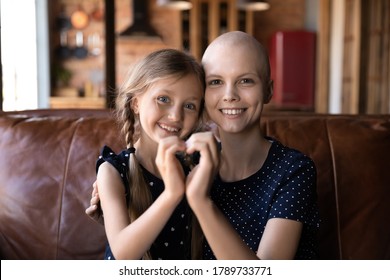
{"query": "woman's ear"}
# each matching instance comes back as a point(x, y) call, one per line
point(268, 91)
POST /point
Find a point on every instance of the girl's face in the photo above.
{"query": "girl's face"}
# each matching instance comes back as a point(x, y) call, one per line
point(169, 107)
point(234, 90)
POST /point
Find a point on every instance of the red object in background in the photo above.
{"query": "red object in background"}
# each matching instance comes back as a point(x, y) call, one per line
point(292, 59)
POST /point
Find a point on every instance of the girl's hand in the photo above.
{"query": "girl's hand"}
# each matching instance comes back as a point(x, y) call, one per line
point(169, 166)
point(200, 179)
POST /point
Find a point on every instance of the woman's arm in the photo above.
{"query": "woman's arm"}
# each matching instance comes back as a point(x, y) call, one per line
point(94, 211)
point(223, 239)
point(280, 238)
point(279, 241)
point(221, 236)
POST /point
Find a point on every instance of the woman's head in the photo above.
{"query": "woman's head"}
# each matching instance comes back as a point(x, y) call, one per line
point(238, 81)
point(252, 57)
point(164, 93)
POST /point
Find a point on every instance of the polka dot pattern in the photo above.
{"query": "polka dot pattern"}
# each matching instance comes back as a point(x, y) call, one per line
point(173, 241)
point(284, 187)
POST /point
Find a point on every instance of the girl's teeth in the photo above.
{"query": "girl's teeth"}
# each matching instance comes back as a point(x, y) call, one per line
point(170, 129)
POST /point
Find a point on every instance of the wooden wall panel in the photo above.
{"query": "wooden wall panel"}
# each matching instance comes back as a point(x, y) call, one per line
point(282, 15)
point(351, 57)
point(378, 74)
point(323, 58)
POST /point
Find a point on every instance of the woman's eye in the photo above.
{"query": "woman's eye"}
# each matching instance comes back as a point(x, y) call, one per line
point(215, 82)
point(246, 81)
point(163, 99)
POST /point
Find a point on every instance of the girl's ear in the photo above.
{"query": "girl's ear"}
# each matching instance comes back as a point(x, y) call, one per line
point(134, 105)
point(268, 91)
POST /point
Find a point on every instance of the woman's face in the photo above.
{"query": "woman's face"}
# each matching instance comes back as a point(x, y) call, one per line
point(234, 90)
point(169, 107)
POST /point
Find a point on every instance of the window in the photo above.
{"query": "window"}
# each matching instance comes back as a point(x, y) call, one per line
point(24, 54)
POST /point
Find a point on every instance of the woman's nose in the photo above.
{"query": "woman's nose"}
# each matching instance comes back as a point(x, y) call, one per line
point(231, 94)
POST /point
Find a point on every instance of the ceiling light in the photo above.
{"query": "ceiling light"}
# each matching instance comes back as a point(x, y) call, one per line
point(252, 5)
point(175, 4)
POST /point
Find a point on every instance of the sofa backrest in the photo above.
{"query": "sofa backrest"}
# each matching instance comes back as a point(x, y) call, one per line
point(47, 167)
point(352, 156)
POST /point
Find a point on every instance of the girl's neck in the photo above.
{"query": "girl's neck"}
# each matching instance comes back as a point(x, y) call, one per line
point(243, 154)
point(146, 156)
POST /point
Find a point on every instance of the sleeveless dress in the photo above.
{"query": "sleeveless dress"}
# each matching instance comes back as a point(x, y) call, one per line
point(173, 242)
point(284, 187)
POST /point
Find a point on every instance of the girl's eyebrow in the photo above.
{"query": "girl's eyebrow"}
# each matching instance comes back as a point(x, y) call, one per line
point(170, 93)
point(162, 91)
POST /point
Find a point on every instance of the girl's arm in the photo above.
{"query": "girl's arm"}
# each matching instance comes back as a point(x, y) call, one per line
point(130, 241)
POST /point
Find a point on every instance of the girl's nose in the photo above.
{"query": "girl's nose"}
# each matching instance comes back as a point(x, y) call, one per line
point(175, 113)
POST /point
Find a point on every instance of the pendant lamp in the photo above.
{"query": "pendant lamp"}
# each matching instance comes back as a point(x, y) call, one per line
point(252, 5)
point(175, 4)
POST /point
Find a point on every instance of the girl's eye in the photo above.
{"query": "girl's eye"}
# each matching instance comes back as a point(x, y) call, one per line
point(190, 106)
point(163, 99)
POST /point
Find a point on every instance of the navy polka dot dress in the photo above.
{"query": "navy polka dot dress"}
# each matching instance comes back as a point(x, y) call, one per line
point(284, 187)
point(174, 240)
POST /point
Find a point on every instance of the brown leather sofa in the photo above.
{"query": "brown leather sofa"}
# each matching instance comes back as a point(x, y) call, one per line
point(47, 167)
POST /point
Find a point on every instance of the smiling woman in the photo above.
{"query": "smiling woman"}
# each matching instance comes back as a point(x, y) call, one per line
point(25, 70)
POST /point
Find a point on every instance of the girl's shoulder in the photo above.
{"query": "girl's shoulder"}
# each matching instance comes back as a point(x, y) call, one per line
point(119, 161)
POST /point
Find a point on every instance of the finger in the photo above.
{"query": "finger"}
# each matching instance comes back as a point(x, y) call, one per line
point(91, 210)
point(206, 144)
point(94, 200)
point(167, 149)
point(215, 151)
point(95, 188)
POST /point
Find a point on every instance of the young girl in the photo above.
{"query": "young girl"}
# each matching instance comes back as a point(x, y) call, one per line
point(145, 217)
point(262, 204)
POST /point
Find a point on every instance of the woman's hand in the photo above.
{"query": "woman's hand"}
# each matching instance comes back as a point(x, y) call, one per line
point(94, 211)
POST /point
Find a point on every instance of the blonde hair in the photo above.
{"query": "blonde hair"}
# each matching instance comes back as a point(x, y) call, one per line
point(165, 63)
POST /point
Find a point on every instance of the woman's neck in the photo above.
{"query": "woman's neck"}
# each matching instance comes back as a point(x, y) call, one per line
point(242, 155)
